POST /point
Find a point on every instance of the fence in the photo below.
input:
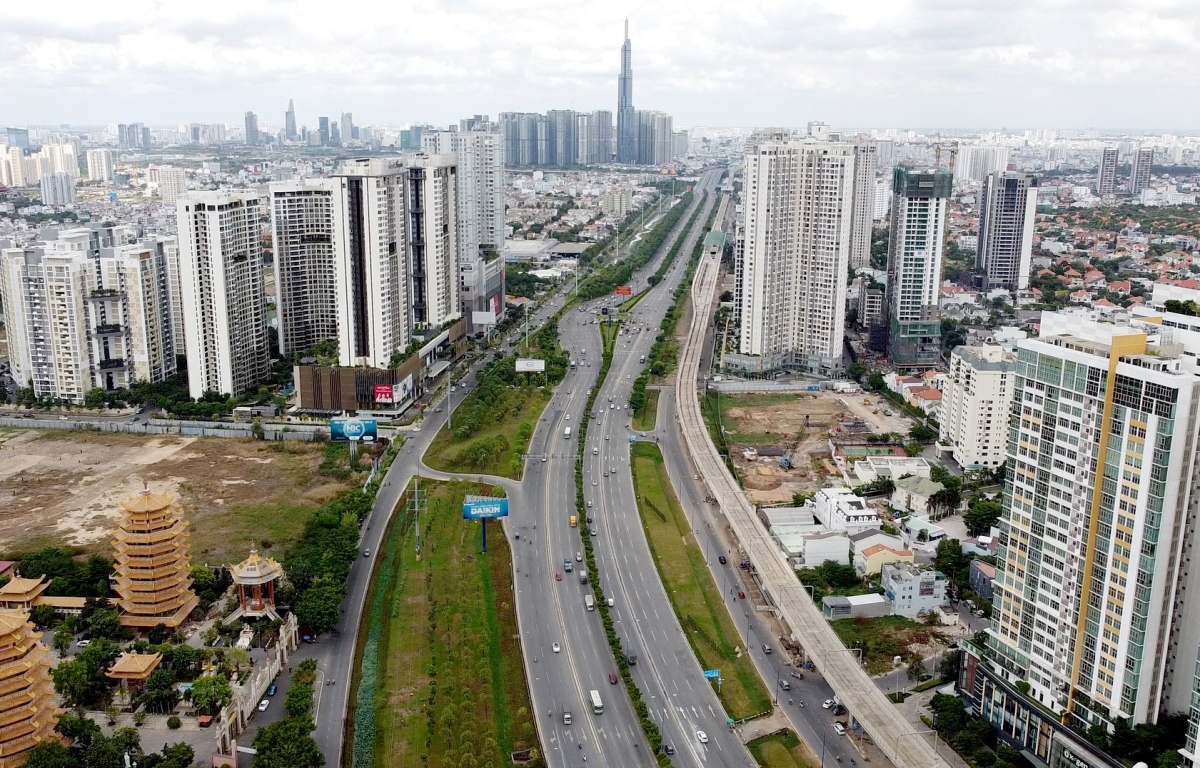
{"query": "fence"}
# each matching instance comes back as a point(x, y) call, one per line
point(304, 432)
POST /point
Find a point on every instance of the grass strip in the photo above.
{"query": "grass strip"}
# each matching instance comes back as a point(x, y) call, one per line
point(646, 417)
point(782, 749)
point(695, 597)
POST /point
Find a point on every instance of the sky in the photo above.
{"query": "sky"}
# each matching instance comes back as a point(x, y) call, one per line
point(855, 64)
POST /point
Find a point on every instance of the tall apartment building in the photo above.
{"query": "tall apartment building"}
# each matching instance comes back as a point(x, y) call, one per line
point(866, 161)
point(289, 122)
point(172, 183)
point(167, 247)
point(58, 189)
point(595, 137)
point(479, 215)
point(1139, 170)
point(60, 158)
point(14, 167)
point(305, 263)
point(221, 271)
point(626, 119)
point(432, 240)
point(371, 261)
point(655, 137)
point(100, 164)
point(794, 250)
point(252, 137)
point(919, 201)
point(1006, 211)
point(564, 144)
point(1093, 602)
point(975, 163)
point(347, 124)
point(976, 399)
point(1106, 182)
point(81, 316)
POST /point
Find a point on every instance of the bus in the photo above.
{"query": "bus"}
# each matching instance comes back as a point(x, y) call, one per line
point(597, 705)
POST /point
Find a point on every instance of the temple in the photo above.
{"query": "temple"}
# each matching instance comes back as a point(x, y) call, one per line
point(153, 580)
point(27, 712)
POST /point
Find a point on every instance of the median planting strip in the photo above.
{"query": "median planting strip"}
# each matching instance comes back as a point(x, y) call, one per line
point(696, 599)
point(440, 674)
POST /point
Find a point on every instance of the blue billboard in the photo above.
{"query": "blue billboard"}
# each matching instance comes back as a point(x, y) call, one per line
point(343, 429)
point(484, 507)
point(712, 674)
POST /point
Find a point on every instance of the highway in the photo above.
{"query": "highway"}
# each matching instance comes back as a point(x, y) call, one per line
point(867, 704)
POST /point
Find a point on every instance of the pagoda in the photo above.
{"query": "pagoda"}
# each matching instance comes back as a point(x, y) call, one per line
point(153, 577)
point(255, 578)
point(27, 711)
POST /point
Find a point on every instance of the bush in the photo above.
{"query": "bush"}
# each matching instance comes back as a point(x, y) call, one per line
point(173, 722)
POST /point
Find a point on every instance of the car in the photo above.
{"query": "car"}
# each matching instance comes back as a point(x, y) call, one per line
point(606, 474)
point(274, 689)
point(593, 482)
point(589, 503)
point(568, 417)
point(606, 437)
point(631, 659)
point(579, 557)
point(827, 704)
point(628, 376)
point(612, 678)
point(416, 429)
point(841, 729)
point(766, 648)
point(702, 737)
point(611, 406)
point(566, 718)
point(366, 553)
point(262, 705)
point(544, 458)
point(669, 749)
point(557, 576)
point(721, 559)
point(454, 389)
point(62, 418)
point(567, 565)
point(84, 643)
point(742, 596)
point(555, 647)
point(592, 530)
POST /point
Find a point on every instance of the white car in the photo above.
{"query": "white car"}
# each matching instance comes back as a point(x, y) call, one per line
point(568, 417)
point(841, 729)
point(555, 648)
point(593, 482)
point(702, 737)
point(262, 705)
point(827, 704)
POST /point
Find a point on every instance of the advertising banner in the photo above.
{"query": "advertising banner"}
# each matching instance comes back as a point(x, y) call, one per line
point(482, 507)
point(528, 365)
point(344, 429)
point(624, 290)
point(483, 318)
point(385, 393)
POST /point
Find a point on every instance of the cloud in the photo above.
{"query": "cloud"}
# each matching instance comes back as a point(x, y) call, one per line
point(856, 63)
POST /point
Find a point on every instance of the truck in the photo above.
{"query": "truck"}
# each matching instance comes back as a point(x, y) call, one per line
point(597, 704)
point(590, 602)
point(567, 433)
point(583, 578)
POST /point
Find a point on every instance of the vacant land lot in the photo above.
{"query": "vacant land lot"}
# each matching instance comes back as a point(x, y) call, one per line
point(62, 487)
point(441, 672)
point(882, 639)
point(694, 595)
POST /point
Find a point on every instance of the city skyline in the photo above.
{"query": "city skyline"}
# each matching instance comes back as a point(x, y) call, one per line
point(856, 66)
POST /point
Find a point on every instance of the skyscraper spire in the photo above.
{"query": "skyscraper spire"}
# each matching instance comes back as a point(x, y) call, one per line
point(626, 137)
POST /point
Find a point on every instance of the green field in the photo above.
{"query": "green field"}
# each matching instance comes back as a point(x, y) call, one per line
point(647, 416)
point(782, 749)
point(440, 678)
point(497, 448)
point(884, 638)
point(694, 595)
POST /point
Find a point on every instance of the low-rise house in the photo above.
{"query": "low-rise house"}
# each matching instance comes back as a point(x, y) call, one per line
point(873, 558)
point(855, 606)
point(912, 589)
point(838, 509)
point(913, 494)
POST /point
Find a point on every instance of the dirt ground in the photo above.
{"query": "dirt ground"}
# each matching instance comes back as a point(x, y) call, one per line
point(801, 423)
point(60, 487)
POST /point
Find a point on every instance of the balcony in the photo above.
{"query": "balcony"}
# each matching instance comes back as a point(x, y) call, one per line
point(108, 328)
point(112, 362)
point(106, 293)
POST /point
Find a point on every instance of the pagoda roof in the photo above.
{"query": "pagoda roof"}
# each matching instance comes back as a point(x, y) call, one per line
point(23, 588)
point(134, 666)
point(148, 501)
point(256, 569)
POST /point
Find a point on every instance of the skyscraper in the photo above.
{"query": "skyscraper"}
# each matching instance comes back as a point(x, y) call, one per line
point(221, 273)
point(1106, 184)
point(305, 273)
point(323, 130)
point(626, 120)
point(432, 235)
point(1139, 170)
point(791, 269)
point(100, 164)
point(919, 201)
point(251, 129)
point(866, 160)
point(58, 189)
point(18, 137)
point(347, 133)
point(564, 145)
point(371, 262)
point(289, 122)
point(1007, 205)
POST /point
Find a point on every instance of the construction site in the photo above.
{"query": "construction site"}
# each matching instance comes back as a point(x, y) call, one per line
point(779, 442)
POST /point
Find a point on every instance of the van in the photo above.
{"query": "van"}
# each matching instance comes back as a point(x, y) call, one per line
point(841, 729)
point(574, 521)
point(590, 602)
point(785, 685)
point(583, 578)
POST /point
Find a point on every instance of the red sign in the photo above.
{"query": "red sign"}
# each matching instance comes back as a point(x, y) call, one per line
point(624, 290)
point(383, 393)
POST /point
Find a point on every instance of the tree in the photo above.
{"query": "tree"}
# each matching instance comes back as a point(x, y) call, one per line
point(95, 398)
point(946, 501)
point(63, 637)
point(72, 681)
point(287, 743)
point(982, 515)
point(159, 693)
point(210, 693)
point(298, 701)
point(237, 658)
point(179, 755)
point(916, 668)
point(923, 433)
point(857, 371)
point(104, 623)
point(50, 754)
point(1169, 759)
point(320, 606)
point(42, 615)
point(951, 713)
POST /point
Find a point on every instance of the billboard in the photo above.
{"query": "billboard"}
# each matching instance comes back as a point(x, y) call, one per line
point(343, 429)
point(530, 365)
point(624, 290)
point(483, 318)
point(385, 393)
point(484, 507)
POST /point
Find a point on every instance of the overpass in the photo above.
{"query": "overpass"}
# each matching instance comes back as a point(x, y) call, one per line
point(894, 736)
